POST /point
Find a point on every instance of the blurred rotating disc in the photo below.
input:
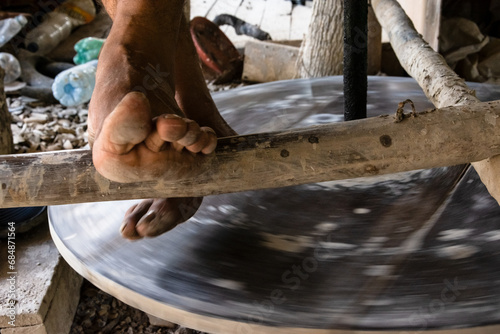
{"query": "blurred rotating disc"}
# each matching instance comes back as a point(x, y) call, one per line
point(409, 252)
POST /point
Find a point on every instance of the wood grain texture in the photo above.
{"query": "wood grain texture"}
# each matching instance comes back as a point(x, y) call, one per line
point(368, 147)
point(321, 52)
point(374, 44)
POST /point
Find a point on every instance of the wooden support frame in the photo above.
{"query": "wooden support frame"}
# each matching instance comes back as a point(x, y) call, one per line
point(368, 147)
point(439, 82)
point(447, 136)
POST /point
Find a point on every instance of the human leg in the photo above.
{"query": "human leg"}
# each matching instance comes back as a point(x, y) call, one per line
point(146, 61)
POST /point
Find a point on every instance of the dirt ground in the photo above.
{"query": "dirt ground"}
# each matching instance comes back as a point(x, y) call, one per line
point(101, 313)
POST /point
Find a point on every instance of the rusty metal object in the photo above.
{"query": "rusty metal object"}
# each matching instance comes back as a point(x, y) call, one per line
point(215, 50)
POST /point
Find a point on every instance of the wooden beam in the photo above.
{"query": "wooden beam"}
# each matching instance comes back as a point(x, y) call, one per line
point(442, 86)
point(368, 147)
point(439, 82)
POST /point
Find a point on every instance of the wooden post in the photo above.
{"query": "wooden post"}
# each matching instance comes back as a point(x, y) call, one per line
point(6, 144)
point(321, 52)
point(439, 82)
point(432, 23)
point(374, 43)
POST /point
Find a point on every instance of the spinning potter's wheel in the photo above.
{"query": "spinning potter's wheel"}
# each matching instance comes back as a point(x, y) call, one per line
point(411, 251)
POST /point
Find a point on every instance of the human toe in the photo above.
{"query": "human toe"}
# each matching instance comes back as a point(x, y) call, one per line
point(205, 143)
point(183, 133)
point(164, 214)
point(132, 217)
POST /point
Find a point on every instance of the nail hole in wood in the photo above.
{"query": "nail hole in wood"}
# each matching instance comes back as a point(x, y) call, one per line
point(386, 140)
point(314, 140)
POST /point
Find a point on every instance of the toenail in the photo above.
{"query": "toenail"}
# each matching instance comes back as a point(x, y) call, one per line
point(171, 116)
point(139, 94)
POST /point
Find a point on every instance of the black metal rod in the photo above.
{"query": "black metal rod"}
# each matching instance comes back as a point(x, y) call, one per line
point(355, 58)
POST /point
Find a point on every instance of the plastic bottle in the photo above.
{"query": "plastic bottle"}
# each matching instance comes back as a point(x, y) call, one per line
point(11, 66)
point(10, 27)
point(75, 85)
point(87, 49)
point(58, 25)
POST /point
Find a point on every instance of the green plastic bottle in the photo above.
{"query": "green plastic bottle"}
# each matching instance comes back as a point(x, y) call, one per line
point(87, 49)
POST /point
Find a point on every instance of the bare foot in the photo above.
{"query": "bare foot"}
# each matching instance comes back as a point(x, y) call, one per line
point(136, 126)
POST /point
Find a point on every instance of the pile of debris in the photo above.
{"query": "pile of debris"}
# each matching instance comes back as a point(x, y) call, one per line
point(470, 39)
point(36, 46)
point(43, 128)
point(99, 312)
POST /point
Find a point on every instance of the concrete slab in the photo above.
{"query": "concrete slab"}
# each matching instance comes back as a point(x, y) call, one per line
point(45, 289)
point(265, 62)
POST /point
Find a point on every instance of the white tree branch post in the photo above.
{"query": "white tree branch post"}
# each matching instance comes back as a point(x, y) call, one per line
point(440, 83)
point(322, 50)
